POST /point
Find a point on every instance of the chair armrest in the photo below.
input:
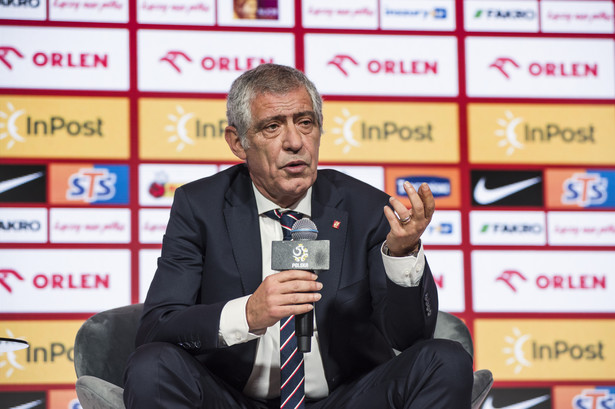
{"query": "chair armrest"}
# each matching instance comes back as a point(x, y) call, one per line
point(95, 393)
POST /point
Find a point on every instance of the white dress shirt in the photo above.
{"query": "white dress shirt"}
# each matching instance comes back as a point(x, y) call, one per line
point(264, 381)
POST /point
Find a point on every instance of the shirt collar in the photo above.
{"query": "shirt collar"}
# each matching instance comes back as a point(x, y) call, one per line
point(303, 206)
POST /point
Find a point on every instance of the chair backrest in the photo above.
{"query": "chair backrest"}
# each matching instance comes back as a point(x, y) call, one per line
point(450, 327)
point(105, 341)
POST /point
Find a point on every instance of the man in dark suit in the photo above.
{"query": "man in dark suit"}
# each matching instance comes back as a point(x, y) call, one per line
point(210, 332)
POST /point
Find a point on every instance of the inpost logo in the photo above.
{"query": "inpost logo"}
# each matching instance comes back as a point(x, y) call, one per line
point(9, 362)
point(538, 349)
point(64, 127)
point(190, 129)
point(48, 360)
point(512, 137)
point(390, 132)
point(541, 134)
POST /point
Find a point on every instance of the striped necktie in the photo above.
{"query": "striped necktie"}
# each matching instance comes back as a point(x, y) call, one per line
point(292, 377)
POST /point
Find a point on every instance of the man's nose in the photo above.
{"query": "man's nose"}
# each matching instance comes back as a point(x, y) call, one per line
point(293, 140)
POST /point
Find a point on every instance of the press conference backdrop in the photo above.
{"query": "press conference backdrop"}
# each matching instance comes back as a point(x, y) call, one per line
point(505, 107)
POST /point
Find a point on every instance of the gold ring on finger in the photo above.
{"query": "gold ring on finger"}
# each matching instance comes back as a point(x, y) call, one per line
point(405, 220)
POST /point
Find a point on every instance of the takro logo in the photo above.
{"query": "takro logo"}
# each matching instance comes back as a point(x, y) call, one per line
point(548, 69)
point(5, 52)
point(502, 14)
point(214, 63)
point(5, 276)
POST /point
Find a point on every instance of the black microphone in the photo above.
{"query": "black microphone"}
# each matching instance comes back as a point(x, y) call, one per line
point(304, 229)
point(303, 252)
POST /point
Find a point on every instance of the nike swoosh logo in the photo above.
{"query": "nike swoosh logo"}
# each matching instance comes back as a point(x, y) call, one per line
point(521, 405)
point(30, 405)
point(483, 195)
point(18, 181)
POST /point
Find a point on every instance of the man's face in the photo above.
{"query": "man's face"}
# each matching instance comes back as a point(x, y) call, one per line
point(284, 139)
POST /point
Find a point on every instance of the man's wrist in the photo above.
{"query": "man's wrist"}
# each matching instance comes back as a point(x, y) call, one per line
point(412, 253)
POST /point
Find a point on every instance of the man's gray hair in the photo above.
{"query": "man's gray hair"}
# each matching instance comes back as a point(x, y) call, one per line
point(266, 78)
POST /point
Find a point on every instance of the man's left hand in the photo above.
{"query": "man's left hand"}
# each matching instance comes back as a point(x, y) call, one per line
point(408, 225)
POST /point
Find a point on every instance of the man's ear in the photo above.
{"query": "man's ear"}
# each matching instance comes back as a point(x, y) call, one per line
point(233, 141)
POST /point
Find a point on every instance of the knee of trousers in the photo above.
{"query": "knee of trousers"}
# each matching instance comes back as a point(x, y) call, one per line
point(151, 364)
point(447, 359)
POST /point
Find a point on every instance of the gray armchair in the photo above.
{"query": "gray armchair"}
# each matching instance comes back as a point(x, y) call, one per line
point(105, 341)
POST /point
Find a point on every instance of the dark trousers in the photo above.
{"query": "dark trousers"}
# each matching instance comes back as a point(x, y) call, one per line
point(434, 374)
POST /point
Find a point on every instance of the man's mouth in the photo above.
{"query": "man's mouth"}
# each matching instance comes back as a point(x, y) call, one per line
point(296, 166)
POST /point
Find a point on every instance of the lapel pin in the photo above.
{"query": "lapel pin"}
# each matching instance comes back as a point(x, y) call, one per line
point(336, 224)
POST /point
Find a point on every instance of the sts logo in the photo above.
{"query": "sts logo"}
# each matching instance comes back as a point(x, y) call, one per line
point(580, 188)
point(89, 184)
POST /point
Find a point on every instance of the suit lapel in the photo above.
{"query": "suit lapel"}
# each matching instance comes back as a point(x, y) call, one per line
point(241, 220)
point(332, 224)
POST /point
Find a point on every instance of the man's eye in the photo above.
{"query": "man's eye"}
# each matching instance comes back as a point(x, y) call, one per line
point(271, 127)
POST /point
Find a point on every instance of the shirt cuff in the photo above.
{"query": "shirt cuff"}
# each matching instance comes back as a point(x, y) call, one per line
point(404, 271)
point(234, 323)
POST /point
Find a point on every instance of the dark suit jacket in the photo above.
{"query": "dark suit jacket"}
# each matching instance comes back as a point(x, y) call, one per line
point(211, 254)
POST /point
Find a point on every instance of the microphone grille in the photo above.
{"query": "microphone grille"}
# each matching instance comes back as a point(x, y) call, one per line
point(304, 229)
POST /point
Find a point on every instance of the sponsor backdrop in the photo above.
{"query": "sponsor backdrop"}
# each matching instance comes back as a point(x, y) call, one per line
point(506, 108)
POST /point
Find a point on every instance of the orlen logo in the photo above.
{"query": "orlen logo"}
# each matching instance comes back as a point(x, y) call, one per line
point(72, 281)
point(376, 132)
point(585, 189)
point(8, 276)
point(522, 356)
point(10, 54)
point(507, 66)
point(512, 138)
point(181, 135)
point(440, 187)
point(89, 184)
point(54, 125)
point(346, 64)
point(513, 279)
point(177, 59)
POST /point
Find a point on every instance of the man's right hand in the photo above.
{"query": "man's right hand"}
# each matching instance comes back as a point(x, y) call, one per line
point(280, 295)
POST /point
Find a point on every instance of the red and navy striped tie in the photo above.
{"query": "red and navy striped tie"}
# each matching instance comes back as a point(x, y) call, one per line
point(292, 374)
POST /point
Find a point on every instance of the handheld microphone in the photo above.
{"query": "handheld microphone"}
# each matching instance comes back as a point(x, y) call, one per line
point(304, 229)
point(304, 252)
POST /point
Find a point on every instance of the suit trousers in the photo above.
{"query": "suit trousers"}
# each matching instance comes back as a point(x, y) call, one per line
point(434, 374)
